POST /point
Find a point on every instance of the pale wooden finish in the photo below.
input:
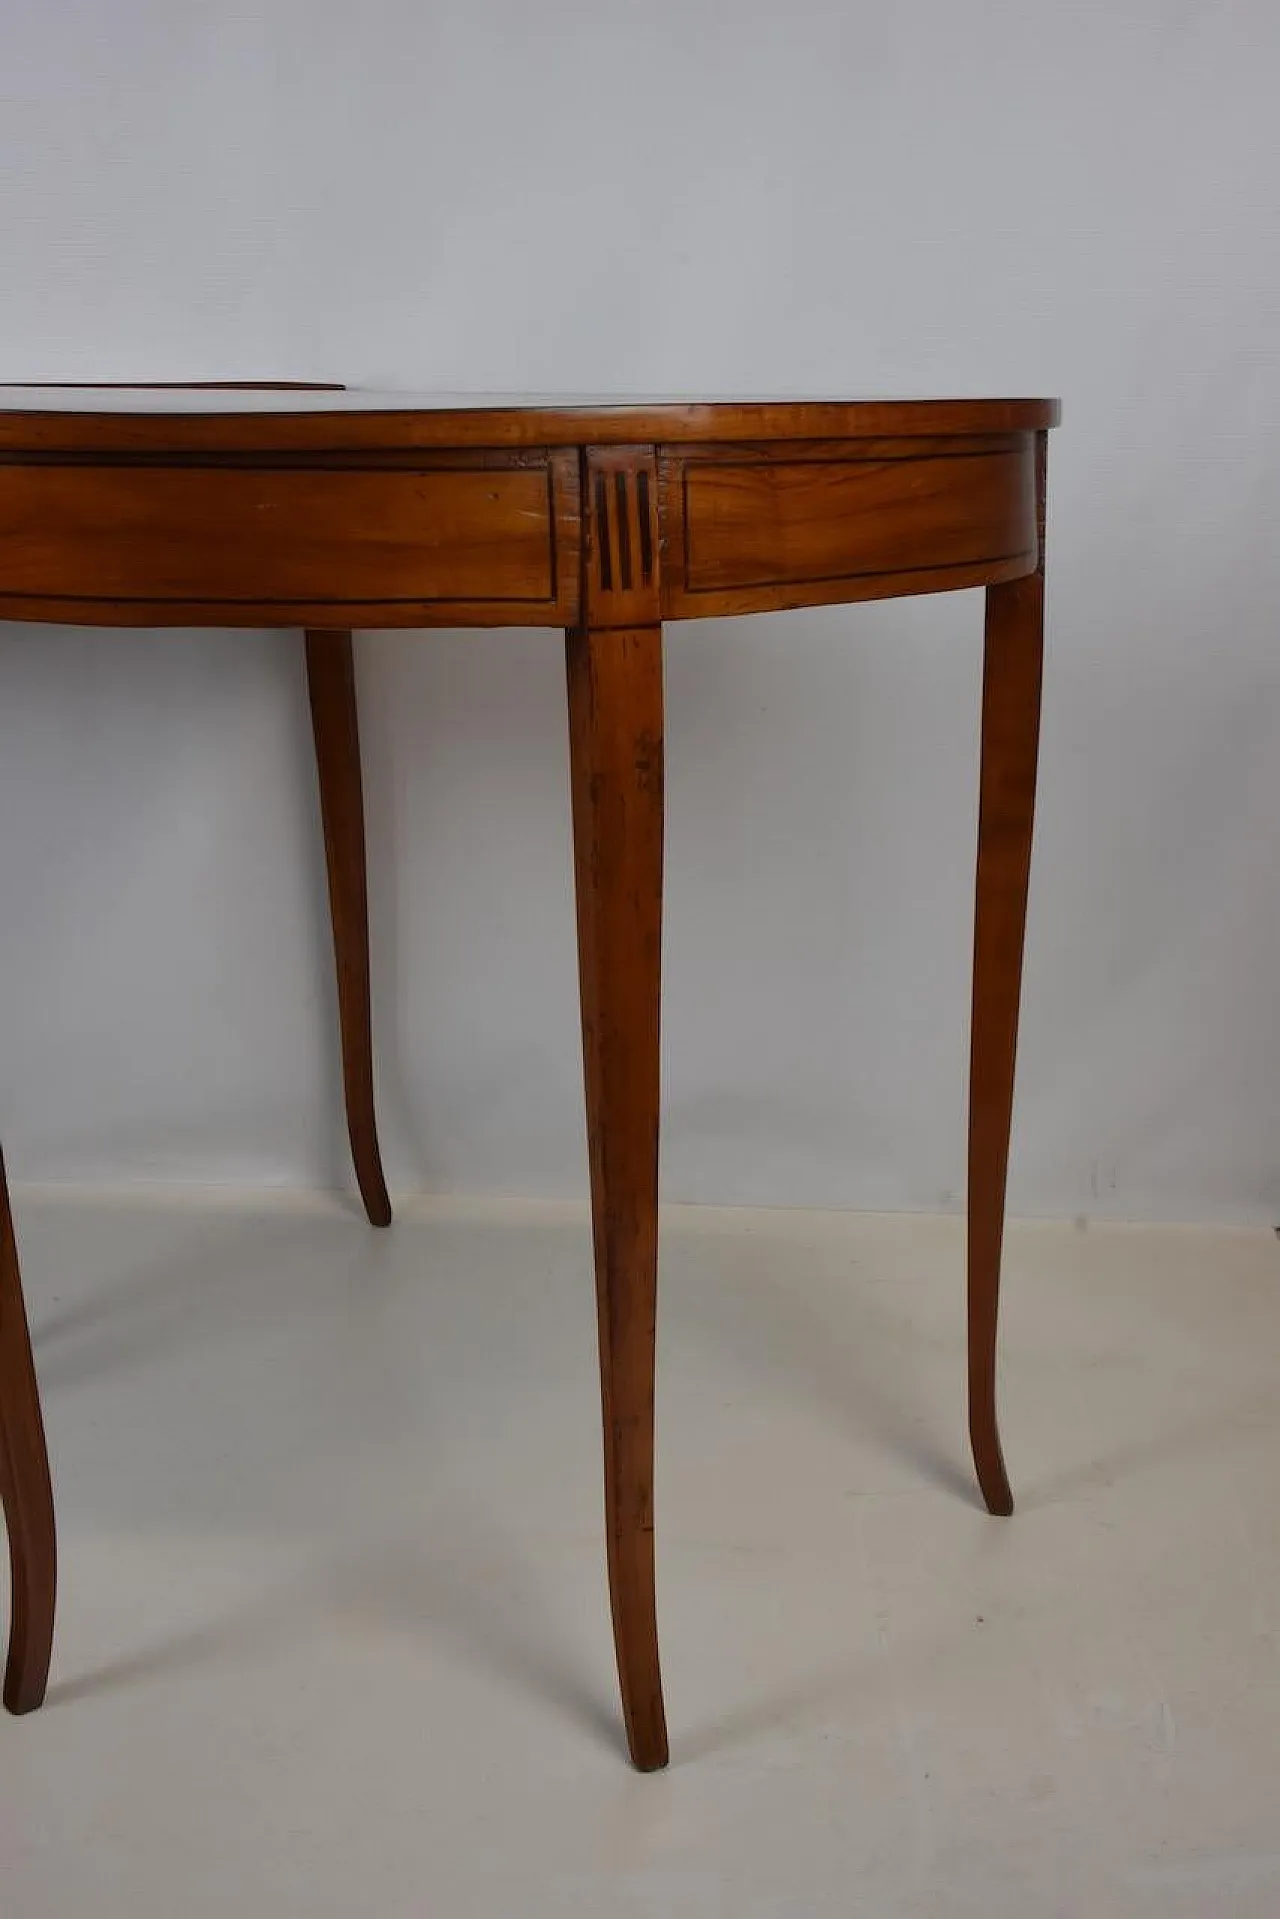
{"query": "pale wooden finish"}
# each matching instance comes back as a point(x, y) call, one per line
point(340, 510)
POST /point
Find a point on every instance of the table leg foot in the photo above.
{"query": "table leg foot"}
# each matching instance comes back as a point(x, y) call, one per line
point(332, 687)
point(26, 1488)
point(616, 750)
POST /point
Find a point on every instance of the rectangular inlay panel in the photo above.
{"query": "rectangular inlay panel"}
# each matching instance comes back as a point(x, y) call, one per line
point(156, 534)
point(822, 520)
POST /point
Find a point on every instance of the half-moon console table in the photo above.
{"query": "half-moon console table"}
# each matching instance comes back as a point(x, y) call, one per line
point(331, 510)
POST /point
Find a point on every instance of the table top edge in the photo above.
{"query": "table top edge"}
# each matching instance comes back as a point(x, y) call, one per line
point(96, 416)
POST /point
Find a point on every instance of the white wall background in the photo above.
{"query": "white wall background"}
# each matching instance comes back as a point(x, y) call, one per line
point(1002, 195)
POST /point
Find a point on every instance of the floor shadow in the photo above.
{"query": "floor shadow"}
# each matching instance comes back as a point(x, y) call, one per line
point(219, 1642)
point(484, 1603)
point(789, 1707)
point(480, 1604)
point(838, 1345)
point(851, 1692)
point(200, 1269)
point(1163, 1445)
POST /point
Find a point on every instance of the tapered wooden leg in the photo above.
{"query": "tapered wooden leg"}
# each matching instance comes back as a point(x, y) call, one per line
point(615, 730)
point(331, 682)
point(26, 1488)
point(1010, 737)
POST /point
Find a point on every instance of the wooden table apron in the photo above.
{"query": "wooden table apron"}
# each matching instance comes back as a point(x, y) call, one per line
point(607, 521)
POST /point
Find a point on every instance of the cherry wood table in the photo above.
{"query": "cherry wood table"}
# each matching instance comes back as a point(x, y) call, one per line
point(328, 510)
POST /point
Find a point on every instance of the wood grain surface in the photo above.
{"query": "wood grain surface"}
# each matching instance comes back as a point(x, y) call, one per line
point(25, 1488)
point(393, 421)
point(615, 684)
point(178, 545)
point(335, 729)
point(809, 528)
point(1006, 810)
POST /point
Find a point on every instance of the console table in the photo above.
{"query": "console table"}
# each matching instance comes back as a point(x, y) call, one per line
point(328, 510)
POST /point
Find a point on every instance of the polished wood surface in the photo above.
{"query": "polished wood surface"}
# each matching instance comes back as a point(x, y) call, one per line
point(270, 419)
point(467, 540)
point(140, 533)
point(25, 1488)
point(1006, 808)
point(795, 531)
point(615, 731)
point(332, 688)
point(329, 510)
point(616, 780)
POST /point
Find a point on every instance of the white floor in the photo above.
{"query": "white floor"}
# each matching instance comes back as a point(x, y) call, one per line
point(333, 1634)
